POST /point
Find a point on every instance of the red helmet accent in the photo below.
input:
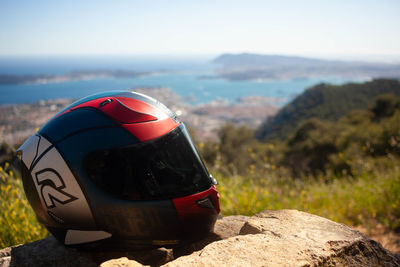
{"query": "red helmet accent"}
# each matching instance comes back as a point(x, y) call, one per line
point(116, 109)
point(124, 114)
point(152, 129)
point(189, 206)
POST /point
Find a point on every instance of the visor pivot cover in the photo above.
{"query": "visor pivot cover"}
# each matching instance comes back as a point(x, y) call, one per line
point(213, 180)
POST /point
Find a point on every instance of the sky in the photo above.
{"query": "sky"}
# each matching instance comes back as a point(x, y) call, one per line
point(121, 27)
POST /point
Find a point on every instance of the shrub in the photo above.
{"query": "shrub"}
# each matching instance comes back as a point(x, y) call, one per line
point(18, 223)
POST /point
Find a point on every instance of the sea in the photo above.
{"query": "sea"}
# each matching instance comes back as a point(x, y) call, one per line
point(192, 78)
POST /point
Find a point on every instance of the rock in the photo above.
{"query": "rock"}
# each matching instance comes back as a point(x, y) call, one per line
point(47, 252)
point(154, 257)
point(225, 227)
point(5, 252)
point(5, 257)
point(50, 252)
point(121, 262)
point(230, 226)
point(291, 238)
point(270, 238)
point(5, 261)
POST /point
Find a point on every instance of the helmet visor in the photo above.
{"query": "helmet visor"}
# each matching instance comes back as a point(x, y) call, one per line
point(165, 168)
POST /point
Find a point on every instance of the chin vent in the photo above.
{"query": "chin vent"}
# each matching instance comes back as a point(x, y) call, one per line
point(206, 203)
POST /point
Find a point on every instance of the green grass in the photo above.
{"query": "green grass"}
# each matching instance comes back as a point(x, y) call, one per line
point(18, 223)
point(365, 200)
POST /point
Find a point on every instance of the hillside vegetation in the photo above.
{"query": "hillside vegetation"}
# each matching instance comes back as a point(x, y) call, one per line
point(18, 223)
point(358, 142)
point(346, 169)
point(325, 102)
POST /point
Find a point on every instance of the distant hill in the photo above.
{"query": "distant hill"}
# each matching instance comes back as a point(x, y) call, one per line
point(326, 102)
point(254, 66)
point(6, 79)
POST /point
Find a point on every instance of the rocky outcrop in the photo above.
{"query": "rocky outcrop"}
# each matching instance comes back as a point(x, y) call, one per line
point(270, 238)
point(291, 238)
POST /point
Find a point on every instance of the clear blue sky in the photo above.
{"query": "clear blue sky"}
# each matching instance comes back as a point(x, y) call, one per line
point(36, 27)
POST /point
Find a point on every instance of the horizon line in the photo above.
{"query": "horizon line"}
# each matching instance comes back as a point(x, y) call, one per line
point(384, 58)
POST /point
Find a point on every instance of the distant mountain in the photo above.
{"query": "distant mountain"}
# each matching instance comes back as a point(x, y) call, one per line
point(326, 102)
point(252, 60)
point(6, 79)
point(254, 66)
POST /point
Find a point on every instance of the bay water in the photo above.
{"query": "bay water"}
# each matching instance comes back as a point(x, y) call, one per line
point(191, 78)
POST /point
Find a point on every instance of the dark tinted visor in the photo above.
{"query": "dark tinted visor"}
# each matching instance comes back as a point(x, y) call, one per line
point(165, 168)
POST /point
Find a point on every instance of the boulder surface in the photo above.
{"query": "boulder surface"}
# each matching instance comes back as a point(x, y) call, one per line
point(269, 238)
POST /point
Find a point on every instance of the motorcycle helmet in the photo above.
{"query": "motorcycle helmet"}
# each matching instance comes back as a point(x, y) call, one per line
point(118, 170)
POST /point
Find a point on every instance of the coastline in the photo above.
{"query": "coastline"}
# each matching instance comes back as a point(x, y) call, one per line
point(12, 79)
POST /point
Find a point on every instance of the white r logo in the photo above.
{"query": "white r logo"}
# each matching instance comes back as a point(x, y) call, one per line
point(52, 186)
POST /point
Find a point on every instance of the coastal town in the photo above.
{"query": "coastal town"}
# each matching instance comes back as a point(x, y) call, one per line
point(17, 122)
